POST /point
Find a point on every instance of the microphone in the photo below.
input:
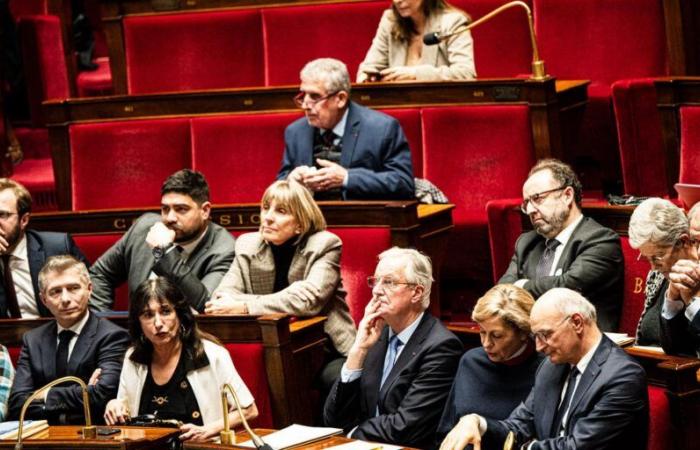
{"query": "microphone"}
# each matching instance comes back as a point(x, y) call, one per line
point(227, 436)
point(538, 71)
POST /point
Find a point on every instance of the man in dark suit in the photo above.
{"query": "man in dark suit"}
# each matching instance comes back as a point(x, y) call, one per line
point(566, 249)
point(23, 252)
point(588, 394)
point(342, 150)
point(396, 378)
point(181, 244)
point(77, 343)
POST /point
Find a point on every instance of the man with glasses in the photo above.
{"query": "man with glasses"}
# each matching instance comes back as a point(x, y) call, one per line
point(23, 252)
point(566, 249)
point(398, 373)
point(588, 394)
point(341, 150)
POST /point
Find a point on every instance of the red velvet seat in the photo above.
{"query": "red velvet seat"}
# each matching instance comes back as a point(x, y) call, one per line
point(639, 135)
point(410, 120)
point(239, 154)
point(189, 51)
point(249, 360)
point(505, 226)
point(661, 433)
point(295, 35)
point(361, 246)
point(123, 164)
point(28, 7)
point(35, 172)
point(501, 46)
point(93, 247)
point(475, 154)
point(690, 144)
point(636, 270)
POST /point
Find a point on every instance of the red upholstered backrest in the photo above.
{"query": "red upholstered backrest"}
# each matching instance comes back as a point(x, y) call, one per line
point(208, 50)
point(690, 144)
point(14, 353)
point(639, 135)
point(123, 164)
point(44, 64)
point(239, 154)
point(296, 35)
point(501, 46)
point(505, 226)
point(633, 297)
point(660, 428)
point(361, 246)
point(20, 8)
point(601, 40)
point(476, 154)
point(410, 121)
point(93, 246)
point(249, 360)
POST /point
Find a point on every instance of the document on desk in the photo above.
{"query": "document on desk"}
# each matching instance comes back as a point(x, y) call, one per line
point(362, 445)
point(294, 435)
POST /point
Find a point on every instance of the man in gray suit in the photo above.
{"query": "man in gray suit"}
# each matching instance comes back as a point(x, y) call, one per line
point(588, 394)
point(181, 244)
point(566, 249)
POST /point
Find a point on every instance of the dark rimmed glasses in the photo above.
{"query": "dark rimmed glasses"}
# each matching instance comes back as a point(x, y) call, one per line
point(538, 199)
point(311, 98)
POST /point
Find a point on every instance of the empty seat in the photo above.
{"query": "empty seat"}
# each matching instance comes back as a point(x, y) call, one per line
point(296, 35)
point(189, 51)
point(123, 164)
point(410, 121)
point(690, 144)
point(505, 223)
point(94, 246)
point(249, 360)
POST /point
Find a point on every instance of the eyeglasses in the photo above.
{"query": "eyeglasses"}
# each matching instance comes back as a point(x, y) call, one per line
point(538, 199)
point(660, 257)
point(4, 215)
point(386, 283)
point(311, 98)
point(546, 335)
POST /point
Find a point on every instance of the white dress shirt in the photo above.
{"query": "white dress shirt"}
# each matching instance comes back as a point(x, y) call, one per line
point(22, 279)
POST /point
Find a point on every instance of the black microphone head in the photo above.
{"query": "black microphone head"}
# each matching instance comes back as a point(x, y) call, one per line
point(431, 38)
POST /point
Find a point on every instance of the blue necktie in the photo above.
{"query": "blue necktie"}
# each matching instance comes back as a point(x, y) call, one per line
point(391, 351)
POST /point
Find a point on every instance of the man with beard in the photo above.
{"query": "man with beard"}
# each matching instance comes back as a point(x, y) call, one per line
point(181, 244)
point(566, 249)
point(23, 253)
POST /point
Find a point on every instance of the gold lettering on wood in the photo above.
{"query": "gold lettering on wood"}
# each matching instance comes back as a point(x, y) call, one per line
point(119, 224)
point(478, 94)
point(248, 102)
point(638, 285)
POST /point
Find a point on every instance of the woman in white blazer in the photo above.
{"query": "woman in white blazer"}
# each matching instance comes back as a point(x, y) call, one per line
point(398, 52)
point(175, 371)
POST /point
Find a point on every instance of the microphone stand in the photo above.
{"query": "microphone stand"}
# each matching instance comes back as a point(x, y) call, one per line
point(538, 70)
point(227, 436)
point(89, 430)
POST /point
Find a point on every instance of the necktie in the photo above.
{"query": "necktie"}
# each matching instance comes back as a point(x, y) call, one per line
point(566, 402)
point(64, 338)
point(328, 138)
point(9, 285)
point(544, 265)
point(391, 351)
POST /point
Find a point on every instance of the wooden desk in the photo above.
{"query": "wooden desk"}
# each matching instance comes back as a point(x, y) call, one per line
point(243, 436)
point(68, 437)
point(547, 100)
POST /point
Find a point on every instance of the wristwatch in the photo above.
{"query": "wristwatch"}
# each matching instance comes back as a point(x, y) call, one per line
point(159, 252)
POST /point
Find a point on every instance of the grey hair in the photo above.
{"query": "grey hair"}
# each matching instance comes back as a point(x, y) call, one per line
point(567, 302)
point(657, 221)
point(59, 264)
point(418, 269)
point(331, 72)
point(693, 212)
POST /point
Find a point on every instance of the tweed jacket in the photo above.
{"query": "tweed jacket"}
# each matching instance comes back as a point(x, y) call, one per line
point(315, 287)
point(452, 59)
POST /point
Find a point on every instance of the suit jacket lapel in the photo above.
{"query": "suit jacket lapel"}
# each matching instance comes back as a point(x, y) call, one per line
point(373, 370)
point(262, 280)
point(47, 352)
point(409, 351)
point(552, 396)
point(82, 344)
point(37, 257)
point(350, 136)
point(564, 262)
point(201, 248)
point(306, 155)
point(591, 373)
point(534, 255)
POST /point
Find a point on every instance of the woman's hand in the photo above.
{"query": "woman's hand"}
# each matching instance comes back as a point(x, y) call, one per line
point(116, 412)
point(225, 303)
point(398, 73)
point(196, 433)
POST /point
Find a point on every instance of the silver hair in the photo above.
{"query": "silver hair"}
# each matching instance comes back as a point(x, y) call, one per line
point(329, 71)
point(59, 264)
point(417, 269)
point(694, 212)
point(658, 222)
point(567, 302)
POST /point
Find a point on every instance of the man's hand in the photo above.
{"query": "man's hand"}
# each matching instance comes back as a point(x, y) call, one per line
point(329, 176)
point(299, 173)
point(160, 236)
point(465, 432)
point(3, 243)
point(685, 280)
point(368, 332)
point(95, 377)
point(398, 73)
point(225, 303)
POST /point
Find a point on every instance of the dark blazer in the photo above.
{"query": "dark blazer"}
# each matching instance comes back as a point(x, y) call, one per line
point(375, 152)
point(413, 395)
point(591, 263)
point(40, 246)
point(680, 336)
point(100, 344)
point(132, 259)
point(609, 410)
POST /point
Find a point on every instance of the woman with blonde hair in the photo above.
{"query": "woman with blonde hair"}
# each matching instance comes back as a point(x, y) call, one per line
point(493, 379)
point(291, 265)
